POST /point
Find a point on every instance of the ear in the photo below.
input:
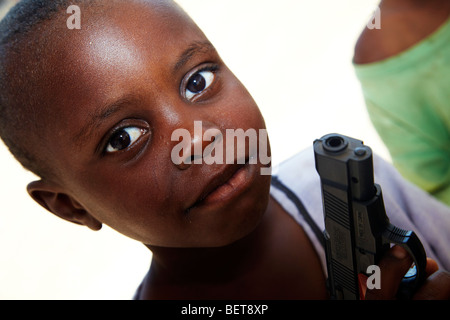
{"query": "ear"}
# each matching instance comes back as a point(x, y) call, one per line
point(49, 196)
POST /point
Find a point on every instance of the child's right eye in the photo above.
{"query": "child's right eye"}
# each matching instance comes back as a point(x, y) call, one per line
point(124, 138)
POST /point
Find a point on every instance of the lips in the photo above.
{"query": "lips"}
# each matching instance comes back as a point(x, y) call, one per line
point(220, 185)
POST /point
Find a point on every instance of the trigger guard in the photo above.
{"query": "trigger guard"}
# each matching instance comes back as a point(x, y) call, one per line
point(416, 274)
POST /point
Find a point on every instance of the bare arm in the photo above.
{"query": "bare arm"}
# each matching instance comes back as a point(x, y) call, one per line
point(403, 24)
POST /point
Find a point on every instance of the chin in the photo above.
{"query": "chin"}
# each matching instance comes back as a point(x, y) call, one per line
point(244, 218)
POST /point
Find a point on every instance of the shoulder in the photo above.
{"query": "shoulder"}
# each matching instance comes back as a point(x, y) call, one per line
point(404, 23)
point(296, 187)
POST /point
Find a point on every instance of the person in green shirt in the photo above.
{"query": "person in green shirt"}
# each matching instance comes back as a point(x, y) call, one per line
point(404, 71)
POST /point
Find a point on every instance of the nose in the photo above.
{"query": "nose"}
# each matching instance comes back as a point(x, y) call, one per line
point(197, 145)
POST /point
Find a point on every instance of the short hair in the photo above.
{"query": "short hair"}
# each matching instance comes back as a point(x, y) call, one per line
point(16, 120)
point(20, 30)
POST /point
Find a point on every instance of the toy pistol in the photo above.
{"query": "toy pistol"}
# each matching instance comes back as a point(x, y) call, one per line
point(357, 229)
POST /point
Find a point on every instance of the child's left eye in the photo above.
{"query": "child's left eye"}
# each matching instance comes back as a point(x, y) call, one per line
point(123, 138)
point(198, 82)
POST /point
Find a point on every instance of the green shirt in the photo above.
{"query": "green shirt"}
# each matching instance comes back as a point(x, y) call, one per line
point(408, 100)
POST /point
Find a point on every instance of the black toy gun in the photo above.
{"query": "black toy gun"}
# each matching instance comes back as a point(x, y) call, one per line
point(357, 229)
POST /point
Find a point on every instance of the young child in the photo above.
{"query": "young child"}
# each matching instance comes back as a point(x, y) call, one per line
point(92, 111)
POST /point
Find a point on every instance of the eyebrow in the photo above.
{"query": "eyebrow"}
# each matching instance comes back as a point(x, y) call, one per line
point(97, 117)
point(195, 48)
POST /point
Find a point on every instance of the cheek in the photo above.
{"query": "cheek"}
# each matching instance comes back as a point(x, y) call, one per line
point(140, 202)
point(240, 110)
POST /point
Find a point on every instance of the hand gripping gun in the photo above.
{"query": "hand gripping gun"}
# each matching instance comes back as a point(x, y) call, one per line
point(357, 229)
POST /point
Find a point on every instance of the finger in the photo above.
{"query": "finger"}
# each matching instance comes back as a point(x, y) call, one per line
point(362, 285)
point(393, 266)
point(431, 267)
point(436, 287)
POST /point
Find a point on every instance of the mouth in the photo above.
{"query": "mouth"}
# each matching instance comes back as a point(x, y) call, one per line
point(224, 186)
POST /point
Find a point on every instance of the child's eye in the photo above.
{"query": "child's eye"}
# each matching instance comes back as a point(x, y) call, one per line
point(198, 82)
point(123, 138)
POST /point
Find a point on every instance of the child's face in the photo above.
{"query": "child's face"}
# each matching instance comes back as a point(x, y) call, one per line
point(119, 88)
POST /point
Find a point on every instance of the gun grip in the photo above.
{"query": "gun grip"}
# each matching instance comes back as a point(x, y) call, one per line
point(416, 275)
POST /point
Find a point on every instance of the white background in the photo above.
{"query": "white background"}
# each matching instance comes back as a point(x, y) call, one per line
point(294, 56)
